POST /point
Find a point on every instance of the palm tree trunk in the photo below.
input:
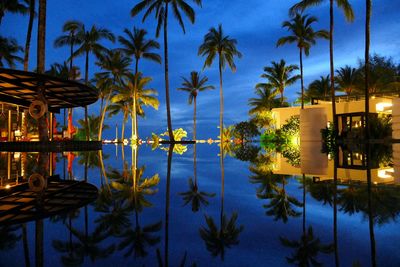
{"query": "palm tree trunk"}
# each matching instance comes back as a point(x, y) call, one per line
point(134, 112)
point(221, 102)
point(301, 78)
point(123, 125)
point(25, 243)
point(304, 204)
point(335, 238)
point(1, 15)
point(367, 43)
point(281, 98)
point(194, 120)
point(169, 122)
point(136, 65)
point(332, 69)
point(39, 244)
point(103, 114)
point(29, 33)
point(195, 164)
point(86, 82)
point(41, 48)
point(167, 202)
point(72, 74)
point(222, 186)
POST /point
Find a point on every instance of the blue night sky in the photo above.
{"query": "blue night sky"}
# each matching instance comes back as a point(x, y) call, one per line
point(256, 25)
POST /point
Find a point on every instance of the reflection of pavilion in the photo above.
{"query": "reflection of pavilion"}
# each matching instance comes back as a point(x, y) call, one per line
point(23, 205)
point(18, 89)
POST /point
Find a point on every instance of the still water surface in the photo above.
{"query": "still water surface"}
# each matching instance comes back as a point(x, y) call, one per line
point(266, 219)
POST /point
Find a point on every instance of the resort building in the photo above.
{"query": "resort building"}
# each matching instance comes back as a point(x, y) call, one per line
point(350, 165)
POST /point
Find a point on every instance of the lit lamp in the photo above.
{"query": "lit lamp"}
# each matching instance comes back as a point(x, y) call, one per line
point(17, 133)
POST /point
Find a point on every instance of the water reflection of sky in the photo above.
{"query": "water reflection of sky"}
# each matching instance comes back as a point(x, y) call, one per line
point(259, 241)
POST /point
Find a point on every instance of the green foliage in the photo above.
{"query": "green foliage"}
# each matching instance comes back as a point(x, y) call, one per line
point(246, 152)
point(380, 127)
point(328, 139)
point(245, 130)
point(281, 140)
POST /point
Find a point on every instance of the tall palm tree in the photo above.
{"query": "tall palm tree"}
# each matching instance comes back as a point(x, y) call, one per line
point(304, 36)
point(12, 6)
point(32, 4)
point(116, 68)
point(70, 28)
point(160, 7)
point(89, 41)
point(346, 79)
point(134, 87)
point(216, 43)
point(8, 52)
point(348, 12)
point(367, 65)
point(137, 46)
point(279, 76)
point(41, 42)
point(193, 86)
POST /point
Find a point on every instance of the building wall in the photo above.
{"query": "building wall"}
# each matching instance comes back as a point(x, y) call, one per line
point(376, 105)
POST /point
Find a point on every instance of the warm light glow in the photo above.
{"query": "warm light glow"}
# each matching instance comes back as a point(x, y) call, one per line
point(385, 173)
point(8, 186)
point(383, 106)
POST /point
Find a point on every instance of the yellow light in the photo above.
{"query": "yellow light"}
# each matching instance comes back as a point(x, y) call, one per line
point(8, 186)
point(385, 173)
point(383, 106)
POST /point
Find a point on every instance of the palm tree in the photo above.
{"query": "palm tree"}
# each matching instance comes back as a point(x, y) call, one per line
point(217, 44)
point(318, 88)
point(193, 86)
point(346, 79)
point(160, 7)
point(92, 127)
point(367, 66)
point(133, 88)
point(62, 70)
point(90, 43)
point(262, 105)
point(304, 36)
point(70, 28)
point(137, 46)
point(32, 4)
point(279, 76)
point(8, 50)
point(11, 6)
point(348, 12)
point(116, 69)
point(41, 39)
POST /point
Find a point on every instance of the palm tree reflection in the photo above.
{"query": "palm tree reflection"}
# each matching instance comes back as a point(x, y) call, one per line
point(306, 249)
point(227, 235)
point(193, 195)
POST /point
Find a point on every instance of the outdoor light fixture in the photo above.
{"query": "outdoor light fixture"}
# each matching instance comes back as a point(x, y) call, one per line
point(386, 173)
point(383, 106)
